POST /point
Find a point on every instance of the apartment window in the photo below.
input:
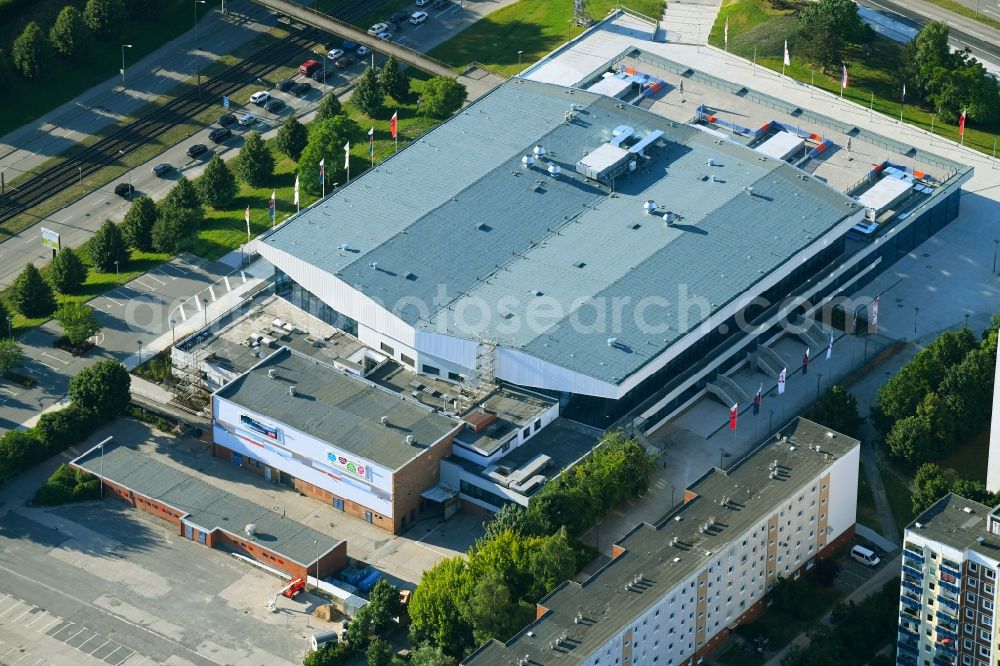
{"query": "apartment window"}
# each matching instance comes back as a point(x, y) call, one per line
point(969, 629)
point(970, 597)
point(973, 567)
point(987, 604)
point(991, 574)
point(984, 651)
point(431, 370)
point(973, 583)
point(455, 377)
point(985, 620)
point(526, 433)
point(984, 634)
point(966, 660)
point(967, 643)
point(387, 349)
point(538, 425)
point(987, 588)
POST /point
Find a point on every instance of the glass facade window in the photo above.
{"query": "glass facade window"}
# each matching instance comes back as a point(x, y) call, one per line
point(303, 299)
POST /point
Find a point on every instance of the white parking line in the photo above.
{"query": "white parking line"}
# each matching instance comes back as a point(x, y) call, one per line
point(80, 646)
point(50, 367)
point(16, 604)
point(74, 635)
point(23, 656)
point(55, 358)
point(30, 608)
point(31, 240)
point(39, 616)
point(62, 629)
point(50, 625)
point(151, 287)
point(8, 392)
point(152, 276)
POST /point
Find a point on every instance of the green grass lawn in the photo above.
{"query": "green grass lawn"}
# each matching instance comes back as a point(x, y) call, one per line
point(899, 495)
point(736, 656)
point(780, 627)
point(867, 514)
point(535, 27)
point(25, 100)
point(762, 26)
point(968, 460)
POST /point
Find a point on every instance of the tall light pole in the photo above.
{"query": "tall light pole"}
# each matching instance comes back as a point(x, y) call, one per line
point(124, 46)
point(916, 311)
point(996, 244)
point(316, 541)
point(173, 333)
point(204, 304)
point(117, 275)
point(102, 468)
point(139, 342)
point(129, 171)
point(519, 58)
point(10, 329)
point(196, 3)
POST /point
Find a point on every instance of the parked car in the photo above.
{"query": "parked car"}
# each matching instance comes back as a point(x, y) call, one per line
point(247, 119)
point(308, 67)
point(286, 85)
point(377, 28)
point(301, 88)
point(441, 4)
point(423, 3)
point(363, 51)
point(227, 119)
point(416, 18)
point(384, 36)
point(161, 170)
point(124, 190)
point(343, 62)
point(333, 54)
point(220, 134)
point(398, 18)
point(274, 105)
point(348, 45)
point(865, 556)
point(196, 150)
point(260, 98)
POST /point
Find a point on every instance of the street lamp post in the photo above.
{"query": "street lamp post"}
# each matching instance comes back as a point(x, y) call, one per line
point(117, 275)
point(519, 58)
point(316, 541)
point(196, 3)
point(996, 243)
point(124, 46)
point(140, 351)
point(204, 305)
point(173, 333)
point(102, 468)
point(10, 329)
point(916, 311)
point(819, 378)
point(128, 170)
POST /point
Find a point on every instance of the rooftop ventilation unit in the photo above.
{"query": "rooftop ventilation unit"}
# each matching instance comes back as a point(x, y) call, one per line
point(528, 161)
point(554, 170)
point(384, 420)
point(538, 151)
point(373, 265)
point(649, 207)
point(344, 247)
point(711, 161)
point(291, 391)
point(612, 342)
point(272, 373)
point(250, 529)
point(410, 440)
point(669, 217)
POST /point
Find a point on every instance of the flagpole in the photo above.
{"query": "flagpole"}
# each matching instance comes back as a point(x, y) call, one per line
point(755, 61)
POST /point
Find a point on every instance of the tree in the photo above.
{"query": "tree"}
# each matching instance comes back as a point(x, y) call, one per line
point(379, 653)
point(11, 355)
point(172, 229)
point(137, 225)
point(826, 27)
point(912, 440)
point(326, 142)
point(553, 563)
point(510, 518)
point(5, 74)
point(492, 612)
point(329, 107)
point(428, 655)
point(967, 390)
point(367, 95)
point(392, 81)
point(331, 654)
point(69, 33)
point(102, 389)
point(216, 186)
point(440, 96)
point(31, 295)
point(825, 571)
point(104, 17)
point(183, 195)
point(67, 272)
point(359, 634)
point(974, 490)
point(18, 450)
point(293, 135)
point(435, 607)
point(837, 410)
point(107, 248)
point(78, 322)
point(255, 164)
point(930, 484)
point(385, 604)
point(29, 51)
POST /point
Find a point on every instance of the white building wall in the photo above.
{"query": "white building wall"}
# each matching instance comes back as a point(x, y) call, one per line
point(993, 462)
point(303, 456)
point(843, 493)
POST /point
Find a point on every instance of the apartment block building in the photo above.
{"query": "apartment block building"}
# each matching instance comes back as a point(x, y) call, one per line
point(947, 602)
point(673, 591)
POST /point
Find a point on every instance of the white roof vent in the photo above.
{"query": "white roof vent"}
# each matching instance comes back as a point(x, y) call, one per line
point(373, 265)
point(384, 420)
point(669, 217)
point(919, 526)
point(344, 247)
point(711, 161)
point(528, 160)
point(291, 391)
point(554, 169)
point(409, 440)
point(748, 190)
point(980, 539)
point(538, 151)
point(272, 373)
point(612, 342)
point(250, 529)
point(967, 509)
point(649, 206)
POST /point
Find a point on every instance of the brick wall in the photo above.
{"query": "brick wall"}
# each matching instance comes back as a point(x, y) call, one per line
point(415, 477)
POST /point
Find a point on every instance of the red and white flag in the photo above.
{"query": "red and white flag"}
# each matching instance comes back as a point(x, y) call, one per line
point(732, 417)
point(843, 77)
point(961, 125)
point(756, 400)
point(781, 380)
point(246, 216)
point(788, 59)
point(393, 122)
point(805, 362)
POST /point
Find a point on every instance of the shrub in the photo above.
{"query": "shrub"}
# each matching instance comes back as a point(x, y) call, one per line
point(68, 484)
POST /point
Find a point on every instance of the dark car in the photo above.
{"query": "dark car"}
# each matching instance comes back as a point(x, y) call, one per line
point(124, 190)
point(348, 45)
point(441, 4)
point(301, 88)
point(274, 105)
point(399, 18)
point(161, 170)
point(319, 75)
point(227, 119)
point(196, 150)
point(220, 134)
point(343, 62)
point(286, 85)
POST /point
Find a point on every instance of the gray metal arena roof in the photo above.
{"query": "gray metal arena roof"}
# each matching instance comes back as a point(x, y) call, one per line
point(205, 505)
point(338, 408)
point(458, 211)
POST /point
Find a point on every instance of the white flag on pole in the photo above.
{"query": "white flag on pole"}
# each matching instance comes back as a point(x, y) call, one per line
point(347, 155)
point(788, 59)
point(296, 202)
point(829, 348)
point(781, 381)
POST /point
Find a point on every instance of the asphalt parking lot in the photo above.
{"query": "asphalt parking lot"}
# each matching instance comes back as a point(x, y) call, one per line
point(853, 574)
point(131, 316)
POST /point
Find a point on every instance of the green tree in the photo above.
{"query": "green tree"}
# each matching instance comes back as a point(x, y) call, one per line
point(392, 81)
point(67, 272)
point(825, 571)
point(78, 322)
point(367, 95)
point(492, 612)
point(329, 107)
point(104, 17)
point(293, 135)
point(255, 163)
point(31, 295)
point(172, 229)
point(326, 142)
point(837, 409)
point(428, 655)
point(967, 390)
point(912, 440)
point(183, 195)
point(5, 74)
point(379, 653)
point(385, 604)
point(108, 247)
point(63, 428)
point(359, 634)
point(440, 96)
point(553, 563)
point(29, 51)
point(510, 518)
point(216, 186)
point(137, 225)
point(11, 355)
point(435, 607)
point(102, 389)
point(68, 34)
point(930, 484)
point(331, 654)
point(18, 450)
point(826, 27)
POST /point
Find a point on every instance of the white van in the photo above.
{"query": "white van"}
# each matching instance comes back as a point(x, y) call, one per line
point(323, 638)
point(865, 556)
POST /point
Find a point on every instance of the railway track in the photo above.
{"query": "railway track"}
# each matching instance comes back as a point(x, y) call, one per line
point(129, 138)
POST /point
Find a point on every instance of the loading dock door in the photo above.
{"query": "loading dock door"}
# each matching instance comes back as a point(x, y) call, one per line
point(189, 532)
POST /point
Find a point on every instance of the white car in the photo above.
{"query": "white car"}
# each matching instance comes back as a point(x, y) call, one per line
point(423, 3)
point(335, 54)
point(378, 28)
point(384, 36)
point(260, 98)
point(247, 119)
point(416, 18)
point(363, 50)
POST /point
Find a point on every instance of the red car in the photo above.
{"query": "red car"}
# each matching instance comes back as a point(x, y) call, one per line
point(308, 67)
